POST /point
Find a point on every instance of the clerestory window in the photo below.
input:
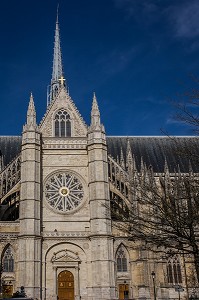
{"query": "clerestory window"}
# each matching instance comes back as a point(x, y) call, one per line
point(174, 274)
point(8, 260)
point(62, 124)
point(121, 260)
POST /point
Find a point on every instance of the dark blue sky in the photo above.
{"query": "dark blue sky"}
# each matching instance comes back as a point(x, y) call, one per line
point(135, 54)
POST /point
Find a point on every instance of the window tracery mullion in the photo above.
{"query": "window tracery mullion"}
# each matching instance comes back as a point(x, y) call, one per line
point(121, 260)
point(74, 185)
point(73, 196)
point(174, 275)
point(58, 181)
point(69, 200)
point(70, 182)
point(62, 124)
point(53, 197)
point(8, 260)
point(58, 201)
point(54, 185)
point(76, 191)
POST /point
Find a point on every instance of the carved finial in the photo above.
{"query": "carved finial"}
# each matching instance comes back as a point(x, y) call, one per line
point(95, 104)
point(142, 165)
point(166, 167)
point(151, 175)
point(31, 113)
point(1, 161)
point(134, 164)
point(129, 157)
point(122, 163)
point(190, 168)
point(95, 114)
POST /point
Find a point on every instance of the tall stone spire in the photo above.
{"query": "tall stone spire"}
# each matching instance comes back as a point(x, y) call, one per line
point(57, 74)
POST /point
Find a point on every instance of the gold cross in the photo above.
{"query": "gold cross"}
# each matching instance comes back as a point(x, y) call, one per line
point(62, 79)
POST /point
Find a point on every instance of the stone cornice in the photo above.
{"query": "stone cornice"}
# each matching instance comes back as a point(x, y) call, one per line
point(8, 235)
point(8, 224)
point(67, 143)
point(57, 234)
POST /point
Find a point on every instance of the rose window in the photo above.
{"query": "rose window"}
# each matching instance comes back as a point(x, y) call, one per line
point(64, 192)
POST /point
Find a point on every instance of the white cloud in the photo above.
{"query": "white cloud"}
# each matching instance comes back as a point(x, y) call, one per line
point(181, 15)
point(117, 60)
point(172, 120)
point(136, 7)
point(127, 5)
point(184, 18)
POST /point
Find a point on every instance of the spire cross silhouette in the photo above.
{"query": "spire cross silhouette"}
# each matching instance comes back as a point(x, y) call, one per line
point(62, 79)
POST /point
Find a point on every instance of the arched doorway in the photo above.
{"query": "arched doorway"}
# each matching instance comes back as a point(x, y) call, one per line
point(123, 291)
point(66, 286)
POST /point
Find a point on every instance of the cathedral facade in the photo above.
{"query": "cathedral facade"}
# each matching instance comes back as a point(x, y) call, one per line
point(57, 183)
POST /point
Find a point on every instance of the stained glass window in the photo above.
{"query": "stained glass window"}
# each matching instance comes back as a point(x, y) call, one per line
point(174, 274)
point(121, 260)
point(8, 260)
point(62, 124)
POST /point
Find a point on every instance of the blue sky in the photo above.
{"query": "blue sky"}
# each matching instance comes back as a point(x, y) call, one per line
point(135, 54)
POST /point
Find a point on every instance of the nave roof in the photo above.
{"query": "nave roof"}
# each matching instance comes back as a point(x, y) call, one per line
point(10, 147)
point(154, 151)
point(178, 152)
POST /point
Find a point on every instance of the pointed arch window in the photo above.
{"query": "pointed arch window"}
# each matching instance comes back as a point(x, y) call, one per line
point(62, 124)
point(174, 273)
point(121, 260)
point(8, 260)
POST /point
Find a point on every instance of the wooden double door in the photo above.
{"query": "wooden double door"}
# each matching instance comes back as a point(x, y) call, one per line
point(7, 291)
point(123, 291)
point(66, 286)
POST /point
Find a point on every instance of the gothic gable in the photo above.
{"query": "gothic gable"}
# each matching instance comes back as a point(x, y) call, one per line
point(65, 256)
point(63, 103)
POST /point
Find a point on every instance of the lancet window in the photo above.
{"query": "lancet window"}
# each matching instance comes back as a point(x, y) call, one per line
point(62, 124)
point(121, 260)
point(8, 260)
point(174, 273)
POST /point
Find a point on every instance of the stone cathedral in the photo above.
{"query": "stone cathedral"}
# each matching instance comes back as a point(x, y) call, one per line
point(57, 182)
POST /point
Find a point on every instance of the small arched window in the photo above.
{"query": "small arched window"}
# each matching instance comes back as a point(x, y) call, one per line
point(174, 274)
point(8, 260)
point(121, 260)
point(62, 124)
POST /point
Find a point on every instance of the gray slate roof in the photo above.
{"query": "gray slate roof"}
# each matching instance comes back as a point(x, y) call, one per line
point(177, 151)
point(10, 147)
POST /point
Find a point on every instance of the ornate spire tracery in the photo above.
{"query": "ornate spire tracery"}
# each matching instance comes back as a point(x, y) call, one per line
point(57, 73)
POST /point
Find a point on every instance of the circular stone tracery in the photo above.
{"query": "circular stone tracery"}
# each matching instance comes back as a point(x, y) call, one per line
point(64, 192)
